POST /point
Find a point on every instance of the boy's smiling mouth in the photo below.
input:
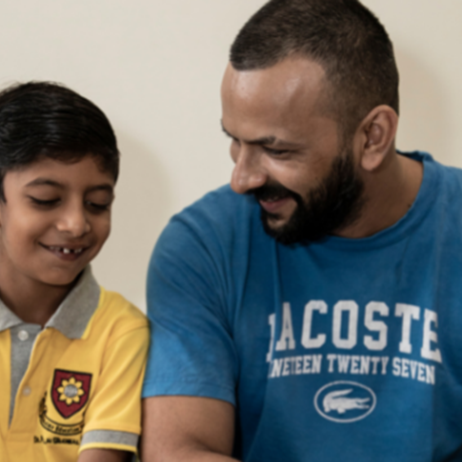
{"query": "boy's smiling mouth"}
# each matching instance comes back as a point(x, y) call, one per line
point(65, 252)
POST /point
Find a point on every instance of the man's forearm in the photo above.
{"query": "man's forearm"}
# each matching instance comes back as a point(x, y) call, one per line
point(196, 456)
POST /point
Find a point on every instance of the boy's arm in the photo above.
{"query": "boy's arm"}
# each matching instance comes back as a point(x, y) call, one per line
point(104, 455)
point(187, 429)
point(113, 416)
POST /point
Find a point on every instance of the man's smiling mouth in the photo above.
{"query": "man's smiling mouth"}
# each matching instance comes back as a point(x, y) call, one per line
point(274, 205)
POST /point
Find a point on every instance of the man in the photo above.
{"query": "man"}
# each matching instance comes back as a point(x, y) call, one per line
point(315, 314)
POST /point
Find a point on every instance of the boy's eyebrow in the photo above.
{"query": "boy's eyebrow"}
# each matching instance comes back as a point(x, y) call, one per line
point(102, 187)
point(47, 182)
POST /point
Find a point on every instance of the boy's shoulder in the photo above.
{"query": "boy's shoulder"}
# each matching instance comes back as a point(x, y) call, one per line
point(117, 304)
point(91, 312)
point(115, 315)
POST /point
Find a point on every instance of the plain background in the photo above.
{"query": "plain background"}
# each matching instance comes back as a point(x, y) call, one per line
point(155, 68)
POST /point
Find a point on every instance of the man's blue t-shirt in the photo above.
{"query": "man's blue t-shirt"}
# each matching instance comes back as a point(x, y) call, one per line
point(344, 349)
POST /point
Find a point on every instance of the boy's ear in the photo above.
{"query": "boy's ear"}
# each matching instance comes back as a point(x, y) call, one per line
point(375, 136)
point(2, 206)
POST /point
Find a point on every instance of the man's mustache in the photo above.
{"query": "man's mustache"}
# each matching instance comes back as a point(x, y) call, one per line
point(272, 191)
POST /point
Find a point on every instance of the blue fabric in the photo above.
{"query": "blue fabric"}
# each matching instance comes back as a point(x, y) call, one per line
point(365, 363)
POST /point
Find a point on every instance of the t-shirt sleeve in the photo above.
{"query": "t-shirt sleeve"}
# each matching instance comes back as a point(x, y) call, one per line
point(192, 352)
point(113, 417)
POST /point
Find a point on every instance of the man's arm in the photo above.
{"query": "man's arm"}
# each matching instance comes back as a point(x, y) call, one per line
point(184, 428)
point(104, 455)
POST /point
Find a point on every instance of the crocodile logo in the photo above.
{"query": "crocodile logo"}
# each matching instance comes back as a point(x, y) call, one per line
point(336, 401)
point(344, 401)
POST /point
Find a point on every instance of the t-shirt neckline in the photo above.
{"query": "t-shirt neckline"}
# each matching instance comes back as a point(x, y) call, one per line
point(406, 224)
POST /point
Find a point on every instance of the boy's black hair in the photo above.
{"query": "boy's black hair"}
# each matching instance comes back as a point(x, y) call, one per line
point(45, 119)
point(341, 35)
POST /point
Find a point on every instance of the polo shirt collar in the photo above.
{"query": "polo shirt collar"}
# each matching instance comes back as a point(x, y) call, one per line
point(7, 318)
point(72, 316)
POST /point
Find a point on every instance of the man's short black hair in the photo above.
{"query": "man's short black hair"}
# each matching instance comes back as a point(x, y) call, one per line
point(44, 119)
point(343, 36)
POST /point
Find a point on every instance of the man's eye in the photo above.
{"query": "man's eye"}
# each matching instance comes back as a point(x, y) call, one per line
point(42, 202)
point(275, 152)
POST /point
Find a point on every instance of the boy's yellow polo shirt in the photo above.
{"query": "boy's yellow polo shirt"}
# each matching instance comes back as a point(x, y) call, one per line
point(75, 384)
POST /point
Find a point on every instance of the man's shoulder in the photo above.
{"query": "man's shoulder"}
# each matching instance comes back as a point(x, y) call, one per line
point(428, 159)
point(222, 203)
point(208, 234)
point(220, 214)
point(445, 180)
point(451, 176)
point(448, 180)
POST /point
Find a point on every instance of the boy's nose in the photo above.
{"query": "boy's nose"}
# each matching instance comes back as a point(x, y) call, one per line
point(248, 173)
point(74, 221)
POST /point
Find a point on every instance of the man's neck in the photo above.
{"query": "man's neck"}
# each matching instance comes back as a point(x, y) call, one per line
point(389, 193)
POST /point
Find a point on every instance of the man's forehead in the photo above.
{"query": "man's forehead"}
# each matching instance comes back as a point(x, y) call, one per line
point(287, 83)
point(283, 100)
point(289, 75)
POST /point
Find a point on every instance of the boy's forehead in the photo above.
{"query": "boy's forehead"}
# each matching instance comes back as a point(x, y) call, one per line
point(86, 169)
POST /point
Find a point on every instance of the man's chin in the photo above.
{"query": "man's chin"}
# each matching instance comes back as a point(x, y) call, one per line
point(276, 227)
point(275, 224)
point(293, 230)
point(274, 221)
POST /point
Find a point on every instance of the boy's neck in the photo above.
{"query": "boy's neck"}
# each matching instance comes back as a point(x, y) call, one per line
point(34, 303)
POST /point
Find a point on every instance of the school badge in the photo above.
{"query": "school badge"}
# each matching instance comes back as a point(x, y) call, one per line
point(69, 391)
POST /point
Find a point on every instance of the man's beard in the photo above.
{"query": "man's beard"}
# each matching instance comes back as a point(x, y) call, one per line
point(331, 206)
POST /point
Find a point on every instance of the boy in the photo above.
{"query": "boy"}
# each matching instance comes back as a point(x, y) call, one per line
point(71, 354)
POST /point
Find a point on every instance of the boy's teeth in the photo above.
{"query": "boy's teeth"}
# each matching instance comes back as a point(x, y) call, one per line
point(67, 251)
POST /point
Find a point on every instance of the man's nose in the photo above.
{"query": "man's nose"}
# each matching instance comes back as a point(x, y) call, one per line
point(248, 172)
point(74, 220)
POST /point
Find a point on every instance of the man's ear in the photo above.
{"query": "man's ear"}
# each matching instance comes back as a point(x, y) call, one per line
point(375, 136)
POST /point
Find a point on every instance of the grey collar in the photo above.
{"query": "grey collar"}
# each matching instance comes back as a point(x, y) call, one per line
point(72, 316)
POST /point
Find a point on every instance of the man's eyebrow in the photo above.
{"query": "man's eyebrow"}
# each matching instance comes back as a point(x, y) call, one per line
point(225, 131)
point(265, 140)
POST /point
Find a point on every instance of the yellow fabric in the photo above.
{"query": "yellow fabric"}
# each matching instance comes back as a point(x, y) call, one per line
point(112, 350)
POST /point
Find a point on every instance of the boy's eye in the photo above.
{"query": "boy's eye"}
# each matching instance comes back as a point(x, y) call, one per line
point(97, 207)
point(44, 203)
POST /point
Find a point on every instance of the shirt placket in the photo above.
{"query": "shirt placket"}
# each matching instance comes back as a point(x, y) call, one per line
point(23, 338)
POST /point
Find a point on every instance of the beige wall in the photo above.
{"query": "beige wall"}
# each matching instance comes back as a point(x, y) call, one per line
point(155, 67)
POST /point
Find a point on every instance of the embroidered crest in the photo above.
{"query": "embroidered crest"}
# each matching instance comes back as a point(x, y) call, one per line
point(69, 391)
point(56, 427)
